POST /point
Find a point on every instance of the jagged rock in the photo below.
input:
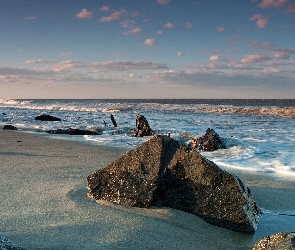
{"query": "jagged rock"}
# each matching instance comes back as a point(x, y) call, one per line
point(209, 142)
point(142, 127)
point(279, 241)
point(47, 118)
point(9, 127)
point(6, 244)
point(164, 172)
point(74, 131)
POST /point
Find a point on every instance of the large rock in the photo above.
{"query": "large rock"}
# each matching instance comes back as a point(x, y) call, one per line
point(163, 172)
point(279, 241)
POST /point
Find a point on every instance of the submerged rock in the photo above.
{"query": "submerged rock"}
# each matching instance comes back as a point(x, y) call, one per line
point(47, 118)
point(279, 241)
point(164, 172)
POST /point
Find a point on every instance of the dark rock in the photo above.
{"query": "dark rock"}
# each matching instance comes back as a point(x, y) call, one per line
point(210, 141)
point(279, 241)
point(164, 172)
point(6, 244)
point(47, 118)
point(73, 131)
point(114, 121)
point(142, 127)
point(9, 127)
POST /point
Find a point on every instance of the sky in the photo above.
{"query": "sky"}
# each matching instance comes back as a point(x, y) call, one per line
point(147, 49)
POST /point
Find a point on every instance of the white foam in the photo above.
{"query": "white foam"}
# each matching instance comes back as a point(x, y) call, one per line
point(254, 136)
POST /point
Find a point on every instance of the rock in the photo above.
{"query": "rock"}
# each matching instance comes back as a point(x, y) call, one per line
point(279, 241)
point(114, 121)
point(9, 127)
point(142, 127)
point(6, 244)
point(74, 131)
point(47, 118)
point(164, 172)
point(210, 141)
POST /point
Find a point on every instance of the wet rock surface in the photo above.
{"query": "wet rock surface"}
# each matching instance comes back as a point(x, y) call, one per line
point(47, 118)
point(9, 127)
point(164, 172)
point(210, 141)
point(73, 131)
point(279, 241)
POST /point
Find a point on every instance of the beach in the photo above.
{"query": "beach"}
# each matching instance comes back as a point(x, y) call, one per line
point(43, 203)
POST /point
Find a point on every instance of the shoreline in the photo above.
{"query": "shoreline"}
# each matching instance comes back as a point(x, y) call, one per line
point(44, 205)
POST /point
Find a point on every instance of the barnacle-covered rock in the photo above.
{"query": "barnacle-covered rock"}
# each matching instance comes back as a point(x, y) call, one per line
point(164, 172)
point(279, 241)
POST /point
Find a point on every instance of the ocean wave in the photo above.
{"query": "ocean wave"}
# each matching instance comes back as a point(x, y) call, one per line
point(111, 107)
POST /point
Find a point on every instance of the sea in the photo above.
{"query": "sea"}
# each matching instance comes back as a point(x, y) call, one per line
point(259, 134)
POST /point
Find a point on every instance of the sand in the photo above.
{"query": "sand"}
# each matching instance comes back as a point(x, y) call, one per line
point(43, 203)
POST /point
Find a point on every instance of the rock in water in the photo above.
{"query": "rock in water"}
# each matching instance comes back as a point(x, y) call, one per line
point(164, 172)
point(47, 118)
point(9, 127)
point(210, 141)
point(279, 241)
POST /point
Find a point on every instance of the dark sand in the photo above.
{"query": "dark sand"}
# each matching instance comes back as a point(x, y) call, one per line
point(43, 203)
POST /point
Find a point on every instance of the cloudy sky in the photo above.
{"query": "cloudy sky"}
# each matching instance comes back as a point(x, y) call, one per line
point(147, 49)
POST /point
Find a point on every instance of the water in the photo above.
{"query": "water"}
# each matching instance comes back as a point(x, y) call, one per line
point(259, 134)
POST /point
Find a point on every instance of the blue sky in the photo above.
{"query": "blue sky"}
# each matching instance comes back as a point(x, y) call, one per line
point(147, 49)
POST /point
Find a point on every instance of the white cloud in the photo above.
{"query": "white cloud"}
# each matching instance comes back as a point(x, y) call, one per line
point(84, 13)
point(125, 65)
point(272, 3)
point(169, 25)
point(134, 31)
point(261, 20)
point(256, 57)
point(264, 46)
point(214, 58)
point(163, 2)
point(150, 42)
point(105, 8)
point(114, 16)
point(180, 54)
point(160, 32)
point(220, 28)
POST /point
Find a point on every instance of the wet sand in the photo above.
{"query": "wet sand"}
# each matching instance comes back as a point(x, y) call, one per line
point(43, 203)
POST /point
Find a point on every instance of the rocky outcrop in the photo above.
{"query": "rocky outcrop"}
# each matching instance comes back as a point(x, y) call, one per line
point(209, 142)
point(74, 131)
point(47, 118)
point(279, 241)
point(9, 127)
point(164, 172)
point(142, 127)
point(6, 244)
